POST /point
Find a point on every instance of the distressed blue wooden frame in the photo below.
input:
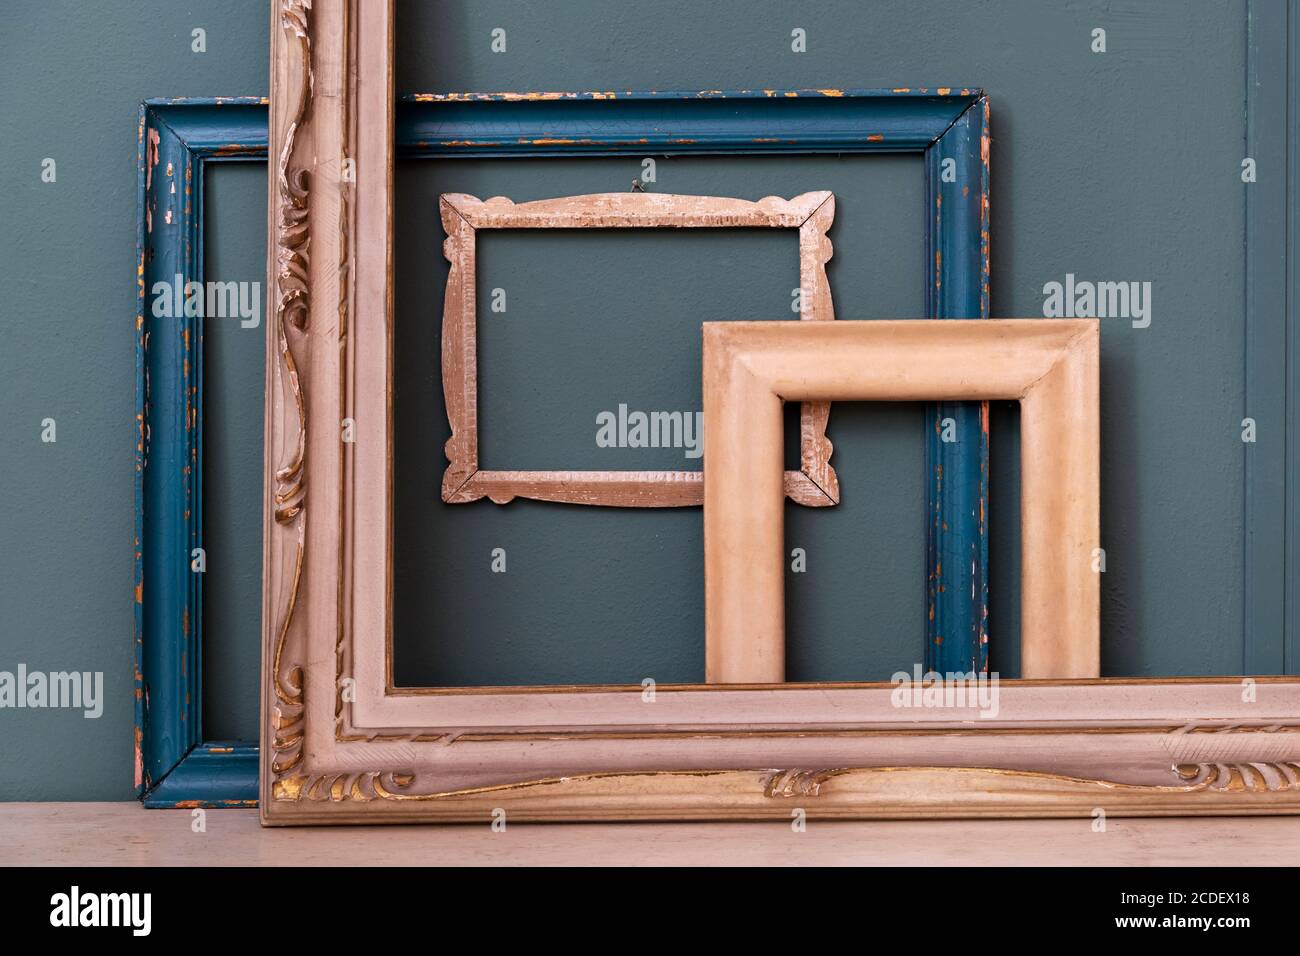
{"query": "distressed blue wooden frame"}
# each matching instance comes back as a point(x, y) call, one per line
point(949, 128)
point(174, 765)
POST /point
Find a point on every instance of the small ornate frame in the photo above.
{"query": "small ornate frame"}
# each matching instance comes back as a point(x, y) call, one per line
point(463, 216)
point(752, 368)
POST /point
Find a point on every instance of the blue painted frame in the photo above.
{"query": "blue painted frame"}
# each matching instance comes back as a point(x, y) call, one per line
point(948, 127)
point(942, 124)
point(174, 766)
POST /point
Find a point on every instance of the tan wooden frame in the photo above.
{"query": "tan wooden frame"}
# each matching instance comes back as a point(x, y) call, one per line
point(463, 216)
point(752, 368)
point(340, 745)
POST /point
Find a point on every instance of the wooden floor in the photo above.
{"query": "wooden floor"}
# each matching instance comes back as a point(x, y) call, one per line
point(91, 834)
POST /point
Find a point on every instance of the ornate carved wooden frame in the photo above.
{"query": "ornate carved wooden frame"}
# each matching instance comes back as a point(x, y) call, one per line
point(463, 216)
point(340, 745)
point(752, 368)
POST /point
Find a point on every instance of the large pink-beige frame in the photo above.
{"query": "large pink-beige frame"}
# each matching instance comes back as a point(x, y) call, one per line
point(752, 368)
point(463, 217)
point(339, 745)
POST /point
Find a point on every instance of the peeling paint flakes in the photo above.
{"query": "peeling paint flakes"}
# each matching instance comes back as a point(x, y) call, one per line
point(139, 758)
point(151, 158)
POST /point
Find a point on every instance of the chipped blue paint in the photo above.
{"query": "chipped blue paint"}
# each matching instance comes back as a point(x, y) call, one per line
point(177, 138)
point(214, 775)
point(940, 124)
point(957, 544)
point(751, 122)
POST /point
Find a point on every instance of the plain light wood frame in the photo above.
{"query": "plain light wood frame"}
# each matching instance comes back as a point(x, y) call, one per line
point(1050, 366)
point(340, 746)
point(463, 216)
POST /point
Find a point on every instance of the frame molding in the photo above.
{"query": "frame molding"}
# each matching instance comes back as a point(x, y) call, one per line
point(734, 751)
point(463, 216)
point(174, 764)
point(884, 793)
point(948, 127)
point(752, 368)
point(1054, 748)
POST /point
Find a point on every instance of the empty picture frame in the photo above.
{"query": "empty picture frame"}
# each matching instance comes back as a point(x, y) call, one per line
point(341, 745)
point(752, 368)
point(176, 763)
point(463, 216)
point(946, 129)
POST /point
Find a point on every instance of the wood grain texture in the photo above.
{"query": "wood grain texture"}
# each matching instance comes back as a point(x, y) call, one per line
point(120, 834)
point(622, 489)
point(875, 792)
point(812, 213)
point(752, 368)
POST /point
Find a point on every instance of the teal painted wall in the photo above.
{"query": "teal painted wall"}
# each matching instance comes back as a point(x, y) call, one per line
point(1114, 166)
point(72, 76)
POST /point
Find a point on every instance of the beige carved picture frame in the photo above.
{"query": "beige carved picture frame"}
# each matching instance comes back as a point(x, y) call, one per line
point(464, 216)
point(1050, 366)
point(340, 744)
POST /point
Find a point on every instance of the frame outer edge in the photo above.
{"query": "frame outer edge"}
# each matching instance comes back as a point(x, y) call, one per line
point(957, 472)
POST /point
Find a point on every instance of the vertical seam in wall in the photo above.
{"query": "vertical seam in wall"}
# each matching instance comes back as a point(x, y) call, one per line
point(1247, 618)
point(1267, 394)
point(1290, 145)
